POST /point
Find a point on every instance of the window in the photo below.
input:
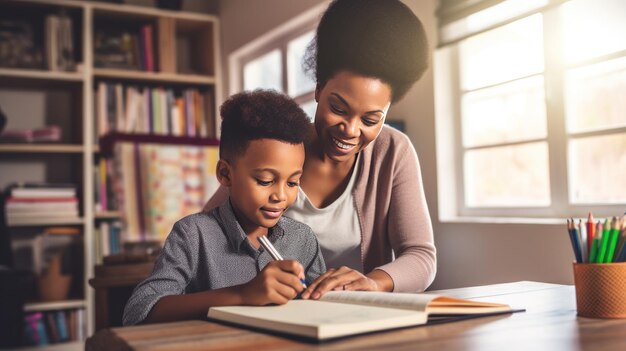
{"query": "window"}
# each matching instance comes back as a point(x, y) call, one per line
point(530, 116)
point(274, 61)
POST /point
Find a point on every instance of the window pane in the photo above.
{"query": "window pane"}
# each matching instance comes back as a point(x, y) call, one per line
point(594, 96)
point(592, 28)
point(598, 169)
point(309, 107)
point(507, 176)
point(488, 17)
point(506, 113)
point(264, 72)
point(502, 54)
point(298, 82)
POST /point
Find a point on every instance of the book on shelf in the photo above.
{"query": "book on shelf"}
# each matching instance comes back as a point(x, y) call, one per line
point(40, 200)
point(156, 185)
point(108, 239)
point(17, 44)
point(125, 48)
point(104, 196)
point(52, 327)
point(41, 190)
point(59, 46)
point(38, 135)
point(343, 313)
point(153, 110)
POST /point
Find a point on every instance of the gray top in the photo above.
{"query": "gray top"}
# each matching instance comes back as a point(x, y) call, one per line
point(209, 250)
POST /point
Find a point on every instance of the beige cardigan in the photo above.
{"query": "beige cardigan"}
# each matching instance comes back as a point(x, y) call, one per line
point(392, 212)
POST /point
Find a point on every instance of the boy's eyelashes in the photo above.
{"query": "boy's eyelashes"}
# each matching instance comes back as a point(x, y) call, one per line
point(264, 182)
point(270, 182)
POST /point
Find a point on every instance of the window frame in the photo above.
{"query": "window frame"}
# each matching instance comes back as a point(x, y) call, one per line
point(450, 158)
point(277, 38)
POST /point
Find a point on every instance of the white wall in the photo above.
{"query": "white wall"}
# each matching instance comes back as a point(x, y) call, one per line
point(468, 253)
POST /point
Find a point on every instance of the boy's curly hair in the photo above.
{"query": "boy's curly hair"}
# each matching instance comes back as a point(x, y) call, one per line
point(260, 114)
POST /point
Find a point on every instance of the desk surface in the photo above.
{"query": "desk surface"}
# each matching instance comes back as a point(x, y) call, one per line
point(549, 323)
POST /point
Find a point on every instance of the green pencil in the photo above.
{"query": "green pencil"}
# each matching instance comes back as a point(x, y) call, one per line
point(604, 243)
point(614, 234)
point(622, 238)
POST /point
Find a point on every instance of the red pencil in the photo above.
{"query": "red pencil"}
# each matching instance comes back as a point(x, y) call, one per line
point(590, 231)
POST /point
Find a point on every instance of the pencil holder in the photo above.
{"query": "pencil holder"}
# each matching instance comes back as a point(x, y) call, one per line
point(600, 289)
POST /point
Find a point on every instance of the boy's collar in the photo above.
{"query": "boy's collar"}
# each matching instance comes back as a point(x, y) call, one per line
point(235, 233)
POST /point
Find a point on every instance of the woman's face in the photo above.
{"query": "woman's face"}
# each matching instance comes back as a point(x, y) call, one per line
point(350, 113)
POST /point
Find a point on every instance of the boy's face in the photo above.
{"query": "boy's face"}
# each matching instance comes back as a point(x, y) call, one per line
point(263, 182)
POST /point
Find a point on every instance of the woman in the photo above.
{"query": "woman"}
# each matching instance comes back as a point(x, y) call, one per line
point(361, 191)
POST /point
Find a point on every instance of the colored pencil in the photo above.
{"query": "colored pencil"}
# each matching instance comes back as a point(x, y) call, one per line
point(590, 232)
point(573, 236)
point(593, 255)
point(613, 241)
point(604, 243)
point(621, 255)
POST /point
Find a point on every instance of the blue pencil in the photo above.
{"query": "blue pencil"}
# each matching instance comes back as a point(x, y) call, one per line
point(573, 235)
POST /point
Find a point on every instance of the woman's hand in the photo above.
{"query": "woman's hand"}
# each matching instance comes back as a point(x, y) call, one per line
point(343, 278)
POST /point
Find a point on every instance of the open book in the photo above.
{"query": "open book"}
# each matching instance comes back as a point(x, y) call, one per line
point(343, 313)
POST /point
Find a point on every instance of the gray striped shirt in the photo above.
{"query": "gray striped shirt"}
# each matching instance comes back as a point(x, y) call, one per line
point(209, 250)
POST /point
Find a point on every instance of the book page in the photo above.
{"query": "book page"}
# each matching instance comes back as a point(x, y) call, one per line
point(318, 319)
point(433, 304)
point(405, 301)
point(443, 305)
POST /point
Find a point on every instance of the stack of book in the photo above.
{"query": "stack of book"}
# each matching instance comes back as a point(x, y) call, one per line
point(39, 201)
point(43, 328)
point(161, 111)
point(125, 48)
point(40, 135)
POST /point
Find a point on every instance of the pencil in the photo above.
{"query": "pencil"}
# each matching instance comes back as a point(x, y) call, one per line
point(604, 243)
point(590, 232)
point(613, 240)
point(267, 245)
point(621, 253)
point(573, 236)
point(593, 255)
point(582, 236)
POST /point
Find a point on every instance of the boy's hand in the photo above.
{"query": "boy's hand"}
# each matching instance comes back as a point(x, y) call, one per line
point(277, 283)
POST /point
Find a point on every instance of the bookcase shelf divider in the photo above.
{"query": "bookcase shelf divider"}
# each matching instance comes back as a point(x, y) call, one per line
point(82, 151)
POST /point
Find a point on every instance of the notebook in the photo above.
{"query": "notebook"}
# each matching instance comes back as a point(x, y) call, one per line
point(343, 313)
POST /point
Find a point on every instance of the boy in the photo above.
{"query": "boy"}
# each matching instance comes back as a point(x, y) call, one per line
point(213, 258)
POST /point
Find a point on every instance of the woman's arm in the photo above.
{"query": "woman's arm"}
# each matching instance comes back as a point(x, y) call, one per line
point(409, 228)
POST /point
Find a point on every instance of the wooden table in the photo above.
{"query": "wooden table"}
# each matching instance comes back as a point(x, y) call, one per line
point(549, 323)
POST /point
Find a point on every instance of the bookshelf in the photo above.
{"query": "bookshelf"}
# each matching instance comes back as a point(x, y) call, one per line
point(69, 100)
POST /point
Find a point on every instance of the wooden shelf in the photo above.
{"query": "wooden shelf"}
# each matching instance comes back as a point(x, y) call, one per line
point(158, 77)
point(107, 215)
point(43, 221)
point(62, 346)
point(53, 306)
point(41, 74)
point(107, 142)
point(41, 148)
